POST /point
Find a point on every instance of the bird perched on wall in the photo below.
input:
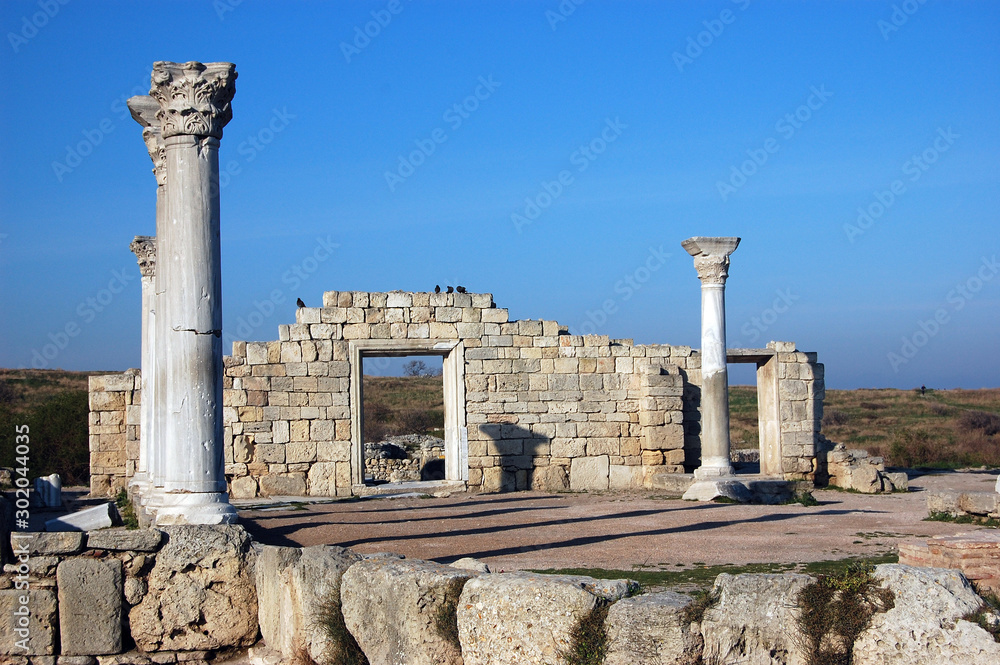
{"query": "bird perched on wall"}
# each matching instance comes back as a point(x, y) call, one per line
point(299, 302)
point(450, 290)
point(460, 289)
point(437, 288)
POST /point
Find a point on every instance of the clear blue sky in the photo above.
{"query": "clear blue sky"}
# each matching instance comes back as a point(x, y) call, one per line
point(838, 103)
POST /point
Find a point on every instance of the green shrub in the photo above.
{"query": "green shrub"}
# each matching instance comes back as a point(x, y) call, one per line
point(589, 638)
point(446, 617)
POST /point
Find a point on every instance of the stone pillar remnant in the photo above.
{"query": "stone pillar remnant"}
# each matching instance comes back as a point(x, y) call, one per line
point(194, 106)
point(711, 260)
point(144, 248)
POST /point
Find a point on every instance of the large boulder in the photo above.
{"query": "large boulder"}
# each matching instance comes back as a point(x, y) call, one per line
point(925, 626)
point(90, 606)
point(201, 592)
point(403, 610)
point(527, 618)
point(755, 620)
point(651, 630)
point(299, 595)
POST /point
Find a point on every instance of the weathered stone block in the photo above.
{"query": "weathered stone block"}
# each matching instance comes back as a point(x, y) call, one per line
point(625, 477)
point(201, 592)
point(37, 631)
point(651, 630)
point(526, 618)
point(589, 473)
point(283, 484)
point(90, 606)
point(392, 606)
point(121, 540)
point(42, 543)
point(551, 478)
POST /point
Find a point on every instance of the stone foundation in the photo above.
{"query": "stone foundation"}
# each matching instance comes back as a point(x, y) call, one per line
point(976, 555)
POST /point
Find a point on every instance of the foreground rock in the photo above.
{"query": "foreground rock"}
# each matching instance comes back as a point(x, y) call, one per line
point(403, 611)
point(298, 592)
point(90, 606)
point(925, 627)
point(201, 592)
point(526, 618)
point(755, 620)
point(651, 630)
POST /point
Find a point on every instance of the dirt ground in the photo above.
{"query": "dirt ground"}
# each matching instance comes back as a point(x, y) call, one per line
point(620, 531)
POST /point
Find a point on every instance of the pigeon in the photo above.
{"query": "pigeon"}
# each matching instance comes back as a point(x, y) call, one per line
point(450, 290)
point(437, 288)
point(300, 303)
point(460, 289)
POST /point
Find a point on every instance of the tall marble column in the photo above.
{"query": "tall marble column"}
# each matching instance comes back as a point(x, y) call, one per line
point(144, 248)
point(194, 101)
point(711, 260)
point(144, 109)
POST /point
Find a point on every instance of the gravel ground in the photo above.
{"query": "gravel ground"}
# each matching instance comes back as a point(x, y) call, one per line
point(621, 531)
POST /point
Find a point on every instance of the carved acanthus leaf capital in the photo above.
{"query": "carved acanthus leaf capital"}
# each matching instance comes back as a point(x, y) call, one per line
point(194, 98)
point(711, 257)
point(712, 269)
point(144, 109)
point(144, 248)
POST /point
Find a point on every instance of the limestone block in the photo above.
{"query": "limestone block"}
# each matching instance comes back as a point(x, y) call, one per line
point(589, 473)
point(899, 480)
point(978, 503)
point(323, 479)
point(551, 478)
point(755, 620)
point(391, 606)
point(527, 618)
point(283, 484)
point(244, 487)
point(496, 479)
point(125, 540)
point(90, 606)
point(651, 630)
point(312, 588)
point(943, 502)
point(274, 614)
point(300, 451)
point(43, 544)
point(925, 625)
point(706, 490)
point(201, 592)
point(39, 636)
point(625, 477)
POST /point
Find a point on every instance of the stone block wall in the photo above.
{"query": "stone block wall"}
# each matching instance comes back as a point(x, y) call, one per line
point(114, 430)
point(532, 406)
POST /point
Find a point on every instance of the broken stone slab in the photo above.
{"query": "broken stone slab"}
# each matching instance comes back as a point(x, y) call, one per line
point(925, 625)
point(468, 563)
point(40, 634)
point(707, 490)
point(899, 481)
point(90, 606)
point(651, 630)
point(201, 592)
point(755, 620)
point(88, 519)
point(125, 540)
point(398, 610)
point(39, 543)
point(528, 618)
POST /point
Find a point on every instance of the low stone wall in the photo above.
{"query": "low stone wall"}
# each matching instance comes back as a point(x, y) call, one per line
point(959, 504)
point(976, 554)
point(856, 470)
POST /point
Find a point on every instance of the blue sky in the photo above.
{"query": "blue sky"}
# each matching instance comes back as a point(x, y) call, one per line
point(555, 158)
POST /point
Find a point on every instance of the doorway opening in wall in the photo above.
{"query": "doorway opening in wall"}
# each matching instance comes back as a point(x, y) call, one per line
point(744, 427)
point(403, 418)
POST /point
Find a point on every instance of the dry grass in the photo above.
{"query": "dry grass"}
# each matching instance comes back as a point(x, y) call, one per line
point(397, 405)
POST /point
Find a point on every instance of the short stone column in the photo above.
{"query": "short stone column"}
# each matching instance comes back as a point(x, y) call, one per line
point(194, 100)
point(144, 248)
point(144, 109)
point(711, 260)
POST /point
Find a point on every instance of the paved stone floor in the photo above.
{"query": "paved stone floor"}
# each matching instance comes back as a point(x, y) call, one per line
point(614, 530)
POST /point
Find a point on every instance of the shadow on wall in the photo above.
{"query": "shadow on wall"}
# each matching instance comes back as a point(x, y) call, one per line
point(518, 450)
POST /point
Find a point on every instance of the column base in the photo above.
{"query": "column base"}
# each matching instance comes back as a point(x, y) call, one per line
point(728, 488)
point(194, 508)
point(712, 468)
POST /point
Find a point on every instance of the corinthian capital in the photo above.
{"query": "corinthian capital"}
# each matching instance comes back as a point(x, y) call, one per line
point(144, 248)
point(144, 109)
point(711, 257)
point(194, 98)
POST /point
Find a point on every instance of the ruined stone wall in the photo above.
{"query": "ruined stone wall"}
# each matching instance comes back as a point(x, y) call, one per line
point(114, 430)
point(540, 408)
